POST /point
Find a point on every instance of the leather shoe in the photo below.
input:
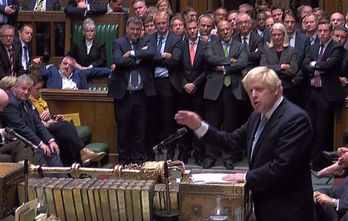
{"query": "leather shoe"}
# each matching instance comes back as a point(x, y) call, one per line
point(88, 156)
point(229, 164)
point(331, 155)
point(208, 163)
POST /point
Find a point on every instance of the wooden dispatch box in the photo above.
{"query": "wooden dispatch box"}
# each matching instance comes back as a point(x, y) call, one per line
point(197, 202)
point(10, 175)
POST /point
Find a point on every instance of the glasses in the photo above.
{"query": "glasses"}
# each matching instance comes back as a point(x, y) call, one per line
point(243, 22)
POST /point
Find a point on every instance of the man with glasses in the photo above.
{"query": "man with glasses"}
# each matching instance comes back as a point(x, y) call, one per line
point(223, 93)
point(10, 55)
point(339, 35)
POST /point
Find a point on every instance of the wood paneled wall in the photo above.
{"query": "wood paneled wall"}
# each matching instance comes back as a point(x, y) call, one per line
point(96, 111)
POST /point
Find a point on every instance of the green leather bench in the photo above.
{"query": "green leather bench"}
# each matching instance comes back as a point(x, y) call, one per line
point(106, 33)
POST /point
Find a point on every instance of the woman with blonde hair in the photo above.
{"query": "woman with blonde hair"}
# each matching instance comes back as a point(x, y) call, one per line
point(7, 83)
point(281, 58)
point(164, 6)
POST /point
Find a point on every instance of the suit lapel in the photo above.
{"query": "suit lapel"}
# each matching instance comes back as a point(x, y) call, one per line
point(198, 52)
point(272, 122)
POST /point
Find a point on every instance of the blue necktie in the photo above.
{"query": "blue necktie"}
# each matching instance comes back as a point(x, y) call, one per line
point(258, 133)
point(159, 45)
point(134, 81)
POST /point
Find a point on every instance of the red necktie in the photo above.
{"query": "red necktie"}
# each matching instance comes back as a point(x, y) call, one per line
point(10, 51)
point(192, 52)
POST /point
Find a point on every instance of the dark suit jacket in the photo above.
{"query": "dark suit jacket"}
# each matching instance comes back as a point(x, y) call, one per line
point(339, 192)
point(51, 5)
point(344, 65)
point(173, 46)
point(28, 124)
point(95, 8)
point(302, 45)
point(255, 45)
point(96, 56)
point(269, 58)
point(5, 67)
point(12, 19)
point(279, 175)
point(118, 82)
point(330, 67)
point(80, 77)
point(193, 74)
point(18, 42)
point(214, 56)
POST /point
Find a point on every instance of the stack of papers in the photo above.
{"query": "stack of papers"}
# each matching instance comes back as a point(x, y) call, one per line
point(202, 178)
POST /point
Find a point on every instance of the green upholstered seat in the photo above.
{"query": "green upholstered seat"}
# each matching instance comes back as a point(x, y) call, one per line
point(98, 147)
point(84, 133)
point(105, 33)
point(6, 158)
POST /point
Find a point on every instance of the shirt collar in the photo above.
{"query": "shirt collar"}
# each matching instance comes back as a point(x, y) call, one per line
point(196, 41)
point(275, 105)
point(164, 36)
point(247, 36)
point(63, 76)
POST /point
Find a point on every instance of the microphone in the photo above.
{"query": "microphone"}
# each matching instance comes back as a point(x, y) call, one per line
point(174, 136)
point(20, 137)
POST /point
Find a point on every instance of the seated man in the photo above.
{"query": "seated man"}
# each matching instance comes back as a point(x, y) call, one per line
point(20, 115)
point(331, 204)
point(68, 77)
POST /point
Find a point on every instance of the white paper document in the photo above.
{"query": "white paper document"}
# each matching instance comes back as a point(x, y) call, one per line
point(202, 178)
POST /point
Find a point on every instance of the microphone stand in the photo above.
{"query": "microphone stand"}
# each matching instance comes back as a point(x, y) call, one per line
point(168, 214)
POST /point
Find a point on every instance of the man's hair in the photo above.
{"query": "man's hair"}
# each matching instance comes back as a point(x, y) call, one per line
point(281, 27)
point(136, 1)
point(340, 28)
point(88, 22)
point(22, 78)
point(274, 7)
point(266, 75)
point(147, 19)
point(70, 58)
point(152, 9)
point(206, 15)
point(321, 11)
point(290, 13)
point(325, 22)
point(5, 27)
point(176, 17)
point(161, 14)
point(23, 26)
point(134, 20)
point(188, 9)
point(314, 15)
point(189, 21)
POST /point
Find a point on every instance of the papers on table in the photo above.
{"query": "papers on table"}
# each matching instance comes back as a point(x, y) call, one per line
point(202, 178)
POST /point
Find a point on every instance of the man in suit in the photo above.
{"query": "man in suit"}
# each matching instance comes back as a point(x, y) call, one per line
point(20, 115)
point(300, 42)
point(8, 12)
point(321, 66)
point(68, 77)
point(339, 35)
point(41, 5)
point(88, 53)
point(205, 26)
point(139, 8)
point(253, 44)
point(223, 92)
point(311, 23)
point(192, 64)
point(277, 13)
point(331, 204)
point(23, 41)
point(168, 79)
point(80, 8)
point(115, 6)
point(278, 136)
point(10, 54)
point(43, 40)
point(130, 85)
